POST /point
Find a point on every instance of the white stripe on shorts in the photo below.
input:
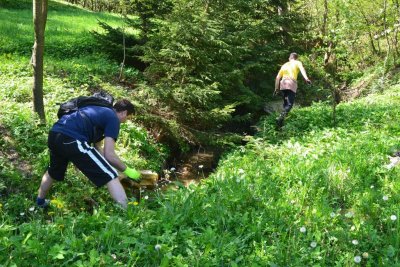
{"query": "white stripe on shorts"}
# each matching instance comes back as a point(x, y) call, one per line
point(96, 160)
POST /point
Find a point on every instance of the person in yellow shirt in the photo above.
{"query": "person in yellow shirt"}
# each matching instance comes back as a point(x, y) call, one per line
point(286, 82)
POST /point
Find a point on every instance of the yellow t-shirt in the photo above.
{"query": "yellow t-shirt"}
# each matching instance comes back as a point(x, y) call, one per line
point(290, 69)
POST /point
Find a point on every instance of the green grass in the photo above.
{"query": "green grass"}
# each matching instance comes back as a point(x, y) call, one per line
point(329, 180)
point(66, 33)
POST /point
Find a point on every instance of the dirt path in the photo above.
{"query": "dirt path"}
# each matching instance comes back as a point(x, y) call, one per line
point(12, 155)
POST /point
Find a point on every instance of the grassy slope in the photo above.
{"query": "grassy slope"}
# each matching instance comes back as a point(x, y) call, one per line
point(332, 181)
point(66, 25)
point(74, 73)
point(329, 180)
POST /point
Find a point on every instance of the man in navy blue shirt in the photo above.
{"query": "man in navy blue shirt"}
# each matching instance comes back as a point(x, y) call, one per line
point(69, 141)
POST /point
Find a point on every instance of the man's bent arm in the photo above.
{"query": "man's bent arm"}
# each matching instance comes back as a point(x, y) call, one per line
point(99, 147)
point(111, 156)
point(303, 72)
point(277, 81)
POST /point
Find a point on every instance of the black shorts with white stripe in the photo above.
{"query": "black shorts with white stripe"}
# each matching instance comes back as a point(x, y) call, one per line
point(64, 149)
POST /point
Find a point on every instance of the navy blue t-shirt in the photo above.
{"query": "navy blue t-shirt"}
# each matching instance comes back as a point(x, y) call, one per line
point(74, 125)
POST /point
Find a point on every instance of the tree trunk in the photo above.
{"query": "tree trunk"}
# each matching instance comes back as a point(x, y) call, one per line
point(284, 10)
point(121, 72)
point(382, 80)
point(39, 21)
point(396, 29)
point(371, 39)
point(325, 18)
point(385, 27)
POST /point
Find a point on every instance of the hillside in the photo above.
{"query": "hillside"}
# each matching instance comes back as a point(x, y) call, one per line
point(313, 194)
point(309, 195)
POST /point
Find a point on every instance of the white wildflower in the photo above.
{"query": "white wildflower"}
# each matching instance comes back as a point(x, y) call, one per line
point(385, 198)
point(332, 215)
point(22, 213)
point(303, 229)
point(313, 244)
point(357, 259)
point(172, 169)
point(157, 247)
point(201, 166)
point(146, 197)
point(355, 242)
point(241, 171)
point(31, 208)
point(365, 255)
point(393, 217)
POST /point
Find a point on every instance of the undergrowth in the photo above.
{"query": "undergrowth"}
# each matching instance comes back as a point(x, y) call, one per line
point(314, 194)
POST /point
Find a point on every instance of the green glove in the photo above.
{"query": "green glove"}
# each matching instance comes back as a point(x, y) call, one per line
point(132, 173)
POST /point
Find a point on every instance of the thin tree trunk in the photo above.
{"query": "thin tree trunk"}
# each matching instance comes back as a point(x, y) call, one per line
point(382, 80)
point(330, 65)
point(396, 29)
point(39, 20)
point(124, 20)
point(371, 39)
point(385, 27)
point(206, 7)
point(325, 18)
point(124, 50)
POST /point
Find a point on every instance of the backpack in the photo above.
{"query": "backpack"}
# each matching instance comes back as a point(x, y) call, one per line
point(102, 99)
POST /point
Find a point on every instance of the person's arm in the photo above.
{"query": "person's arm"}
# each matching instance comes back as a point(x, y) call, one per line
point(303, 72)
point(99, 147)
point(277, 81)
point(115, 161)
point(111, 156)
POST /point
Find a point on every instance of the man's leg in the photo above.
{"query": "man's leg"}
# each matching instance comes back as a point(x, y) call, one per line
point(117, 192)
point(57, 167)
point(95, 167)
point(45, 185)
point(289, 97)
point(281, 118)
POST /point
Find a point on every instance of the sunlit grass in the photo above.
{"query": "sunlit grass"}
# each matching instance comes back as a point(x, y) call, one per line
point(66, 26)
point(314, 194)
point(317, 196)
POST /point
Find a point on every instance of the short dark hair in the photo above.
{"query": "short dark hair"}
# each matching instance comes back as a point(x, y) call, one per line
point(293, 55)
point(123, 105)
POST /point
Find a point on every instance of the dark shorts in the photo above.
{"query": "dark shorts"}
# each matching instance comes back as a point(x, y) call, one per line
point(288, 99)
point(87, 159)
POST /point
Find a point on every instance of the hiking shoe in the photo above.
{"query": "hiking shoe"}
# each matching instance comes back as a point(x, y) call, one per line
point(279, 121)
point(43, 205)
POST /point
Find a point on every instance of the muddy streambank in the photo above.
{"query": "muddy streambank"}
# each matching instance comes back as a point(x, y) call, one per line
point(192, 167)
point(188, 169)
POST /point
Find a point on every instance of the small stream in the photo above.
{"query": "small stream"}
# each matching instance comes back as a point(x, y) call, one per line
point(189, 169)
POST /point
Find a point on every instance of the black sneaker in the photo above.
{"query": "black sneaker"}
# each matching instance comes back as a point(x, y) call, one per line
point(280, 121)
point(46, 204)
